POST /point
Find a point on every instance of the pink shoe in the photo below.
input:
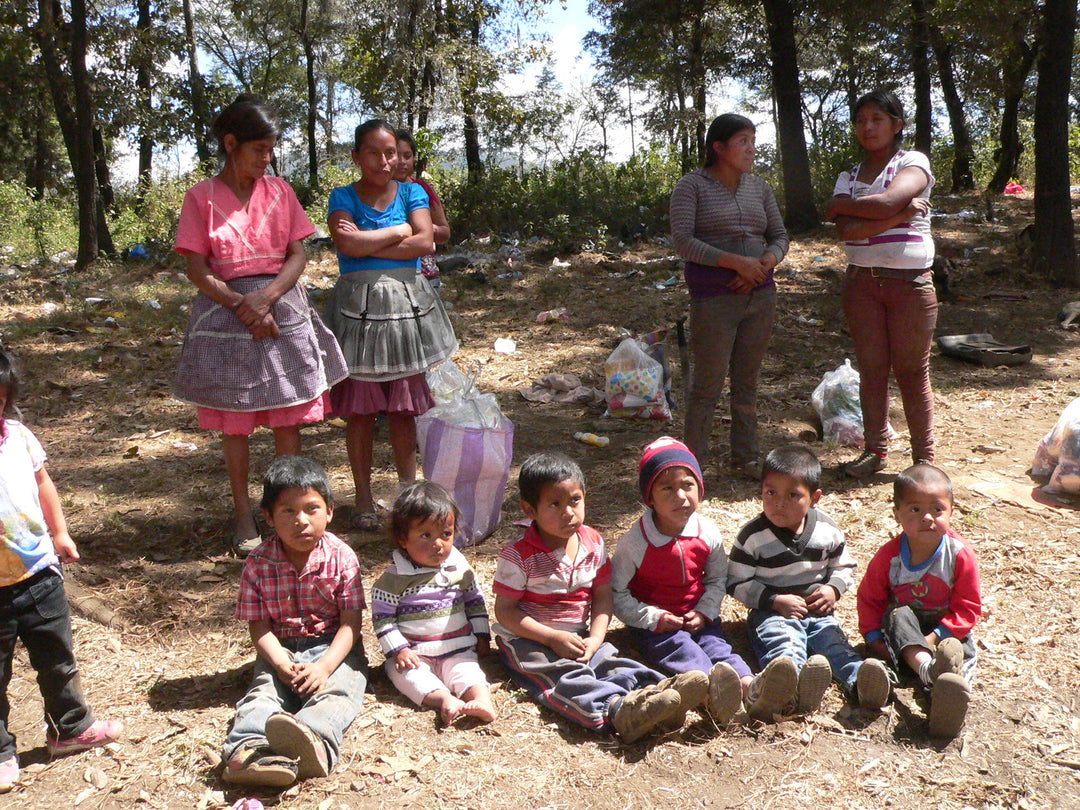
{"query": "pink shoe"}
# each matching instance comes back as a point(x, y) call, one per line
point(9, 773)
point(100, 733)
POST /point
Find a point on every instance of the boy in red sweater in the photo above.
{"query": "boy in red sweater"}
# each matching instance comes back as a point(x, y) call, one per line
point(920, 597)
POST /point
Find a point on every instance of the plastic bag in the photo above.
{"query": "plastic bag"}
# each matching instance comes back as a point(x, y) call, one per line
point(836, 400)
point(467, 445)
point(635, 383)
point(1058, 454)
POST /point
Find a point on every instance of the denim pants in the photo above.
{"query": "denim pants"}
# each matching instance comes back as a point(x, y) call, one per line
point(903, 627)
point(771, 635)
point(728, 337)
point(586, 694)
point(328, 712)
point(680, 651)
point(892, 325)
point(36, 611)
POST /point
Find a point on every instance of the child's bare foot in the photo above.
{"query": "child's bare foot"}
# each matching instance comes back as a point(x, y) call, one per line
point(478, 703)
point(451, 709)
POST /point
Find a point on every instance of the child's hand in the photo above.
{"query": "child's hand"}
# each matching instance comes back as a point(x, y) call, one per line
point(790, 605)
point(568, 645)
point(822, 602)
point(591, 646)
point(669, 623)
point(64, 547)
point(694, 622)
point(483, 646)
point(309, 678)
point(405, 659)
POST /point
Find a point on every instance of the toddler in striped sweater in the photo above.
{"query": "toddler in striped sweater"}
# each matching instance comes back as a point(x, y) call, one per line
point(428, 610)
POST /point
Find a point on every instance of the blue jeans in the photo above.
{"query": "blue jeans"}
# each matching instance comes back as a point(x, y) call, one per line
point(679, 651)
point(328, 712)
point(587, 694)
point(36, 611)
point(771, 636)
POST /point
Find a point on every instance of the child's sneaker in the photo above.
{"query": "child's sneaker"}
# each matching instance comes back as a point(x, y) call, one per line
point(291, 738)
point(259, 767)
point(872, 685)
point(949, 700)
point(948, 657)
point(101, 732)
point(693, 689)
point(9, 773)
point(773, 689)
point(814, 679)
point(725, 693)
point(643, 710)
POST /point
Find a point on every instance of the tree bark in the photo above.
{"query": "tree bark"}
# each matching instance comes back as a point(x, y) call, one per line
point(144, 87)
point(963, 152)
point(1055, 239)
point(1016, 64)
point(920, 69)
point(199, 114)
point(801, 214)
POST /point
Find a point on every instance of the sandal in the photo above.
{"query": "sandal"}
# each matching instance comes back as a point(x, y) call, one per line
point(259, 767)
point(367, 521)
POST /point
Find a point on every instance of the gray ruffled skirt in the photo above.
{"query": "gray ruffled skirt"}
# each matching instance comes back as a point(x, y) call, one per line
point(390, 324)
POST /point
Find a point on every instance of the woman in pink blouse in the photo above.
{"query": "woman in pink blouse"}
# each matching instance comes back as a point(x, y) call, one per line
point(255, 352)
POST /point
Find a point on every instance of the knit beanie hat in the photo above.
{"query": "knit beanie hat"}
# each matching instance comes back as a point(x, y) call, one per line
point(663, 453)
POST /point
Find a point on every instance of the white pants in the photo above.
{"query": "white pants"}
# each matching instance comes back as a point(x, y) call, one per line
point(457, 673)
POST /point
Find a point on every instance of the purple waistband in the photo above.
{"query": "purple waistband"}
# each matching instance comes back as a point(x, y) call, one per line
point(706, 282)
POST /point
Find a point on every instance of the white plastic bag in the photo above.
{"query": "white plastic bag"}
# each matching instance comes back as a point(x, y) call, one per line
point(634, 383)
point(836, 400)
point(1058, 454)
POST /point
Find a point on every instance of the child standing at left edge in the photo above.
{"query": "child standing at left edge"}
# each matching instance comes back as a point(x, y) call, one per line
point(34, 540)
point(301, 594)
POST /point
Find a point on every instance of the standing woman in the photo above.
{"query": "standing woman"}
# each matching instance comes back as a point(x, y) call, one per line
point(727, 226)
point(881, 209)
point(410, 170)
point(391, 325)
point(255, 352)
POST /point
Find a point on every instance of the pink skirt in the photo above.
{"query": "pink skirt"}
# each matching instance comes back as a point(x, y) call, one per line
point(243, 423)
point(408, 395)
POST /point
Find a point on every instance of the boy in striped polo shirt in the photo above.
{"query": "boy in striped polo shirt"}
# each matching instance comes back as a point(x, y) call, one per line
point(790, 565)
point(553, 603)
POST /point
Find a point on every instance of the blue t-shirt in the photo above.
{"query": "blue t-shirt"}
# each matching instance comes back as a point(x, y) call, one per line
point(410, 196)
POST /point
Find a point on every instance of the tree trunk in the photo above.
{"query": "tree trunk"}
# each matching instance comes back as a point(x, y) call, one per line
point(1055, 238)
point(801, 214)
point(469, 87)
point(697, 76)
point(199, 114)
point(1016, 64)
point(144, 87)
point(920, 69)
point(963, 151)
point(312, 96)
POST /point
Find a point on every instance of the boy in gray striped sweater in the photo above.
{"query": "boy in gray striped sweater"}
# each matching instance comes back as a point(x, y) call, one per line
point(790, 565)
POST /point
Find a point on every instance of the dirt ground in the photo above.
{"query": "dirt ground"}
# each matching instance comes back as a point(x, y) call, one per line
point(144, 490)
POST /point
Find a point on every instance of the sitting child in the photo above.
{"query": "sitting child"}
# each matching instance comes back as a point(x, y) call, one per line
point(301, 594)
point(668, 575)
point(790, 565)
point(34, 541)
point(920, 597)
point(553, 604)
point(428, 611)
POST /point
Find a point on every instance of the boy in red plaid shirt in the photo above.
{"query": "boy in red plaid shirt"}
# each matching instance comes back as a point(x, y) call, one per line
point(301, 594)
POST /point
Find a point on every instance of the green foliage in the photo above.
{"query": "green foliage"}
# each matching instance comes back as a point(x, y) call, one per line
point(581, 198)
point(152, 221)
point(35, 228)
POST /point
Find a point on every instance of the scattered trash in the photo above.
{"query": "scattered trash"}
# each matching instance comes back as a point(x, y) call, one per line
point(111, 322)
point(593, 439)
point(187, 446)
point(982, 349)
point(139, 252)
point(818, 259)
point(557, 262)
point(48, 308)
point(553, 315)
point(153, 303)
point(665, 284)
point(1014, 188)
point(512, 274)
point(1058, 454)
point(562, 388)
point(836, 400)
point(247, 804)
point(505, 345)
point(97, 301)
